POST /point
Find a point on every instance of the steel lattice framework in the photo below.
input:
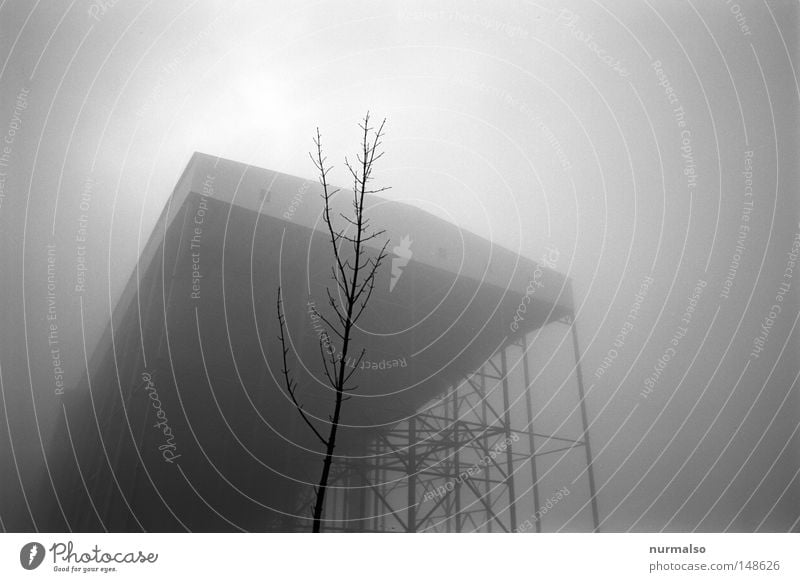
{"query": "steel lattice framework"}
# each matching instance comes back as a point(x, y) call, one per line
point(452, 466)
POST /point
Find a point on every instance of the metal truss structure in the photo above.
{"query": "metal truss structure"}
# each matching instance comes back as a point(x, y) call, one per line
point(452, 467)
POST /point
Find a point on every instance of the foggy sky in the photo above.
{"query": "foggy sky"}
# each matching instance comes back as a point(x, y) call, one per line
point(507, 122)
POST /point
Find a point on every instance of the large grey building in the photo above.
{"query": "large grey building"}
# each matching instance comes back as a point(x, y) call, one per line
point(182, 422)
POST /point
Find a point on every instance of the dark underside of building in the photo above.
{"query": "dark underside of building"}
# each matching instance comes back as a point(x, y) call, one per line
point(182, 422)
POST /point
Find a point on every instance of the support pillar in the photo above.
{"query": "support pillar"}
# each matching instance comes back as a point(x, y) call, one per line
point(585, 421)
point(512, 509)
point(531, 438)
point(456, 461)
point(486, 484)
point(412, 475)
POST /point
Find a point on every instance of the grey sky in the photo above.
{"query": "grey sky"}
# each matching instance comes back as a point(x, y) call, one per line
point(506, 121)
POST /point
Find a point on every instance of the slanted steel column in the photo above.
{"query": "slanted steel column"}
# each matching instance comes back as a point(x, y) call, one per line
point(512, 509)
point(382, 483)
point(355, 495)
point(486, 484)
point(447, 503)
point(585, 421)
point(456, 461)
point(375, 502)
point(531, 438)
point(412, 475)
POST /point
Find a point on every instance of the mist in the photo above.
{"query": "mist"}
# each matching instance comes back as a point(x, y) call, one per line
point(645, 151)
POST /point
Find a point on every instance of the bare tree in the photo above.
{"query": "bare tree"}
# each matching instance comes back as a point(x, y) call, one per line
point(353, 273)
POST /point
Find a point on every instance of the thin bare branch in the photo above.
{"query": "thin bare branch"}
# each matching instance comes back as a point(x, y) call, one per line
point(328, 323)
point(354, 370)
point(325, 364)
point(290, 384)
point(354, 272)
